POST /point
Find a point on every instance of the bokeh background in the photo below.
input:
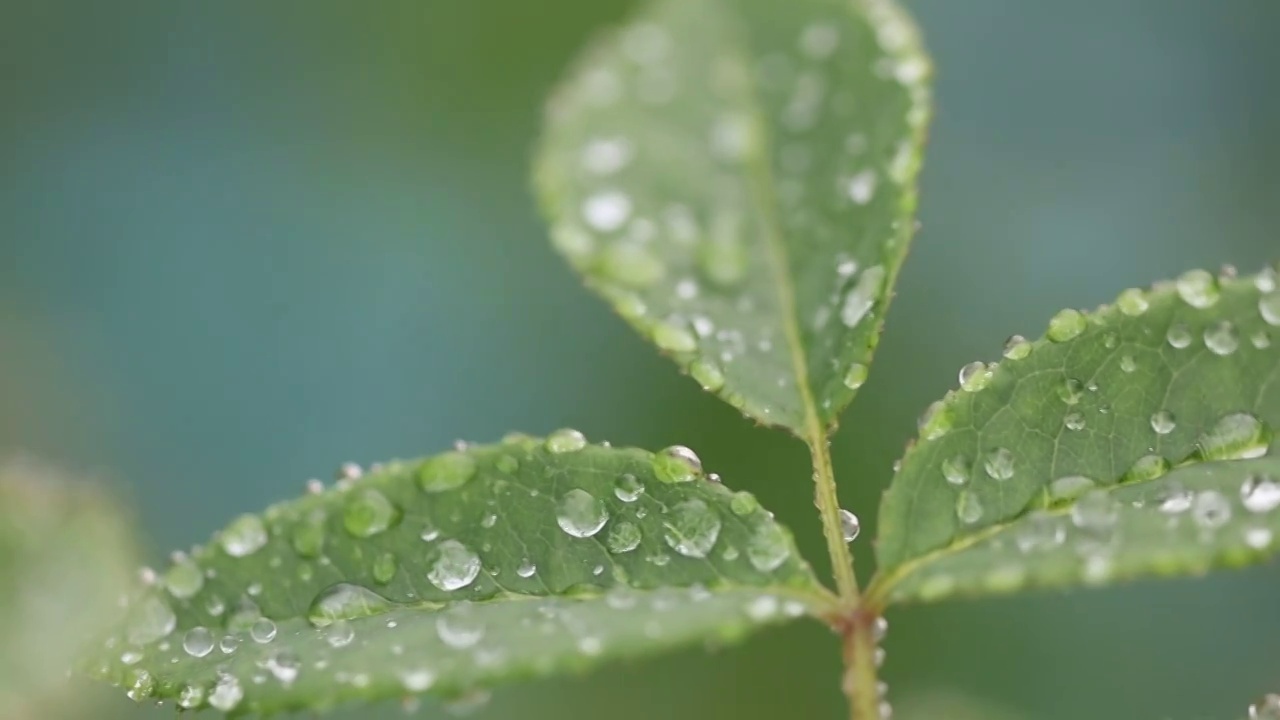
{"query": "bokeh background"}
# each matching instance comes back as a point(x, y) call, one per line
point(243, 242)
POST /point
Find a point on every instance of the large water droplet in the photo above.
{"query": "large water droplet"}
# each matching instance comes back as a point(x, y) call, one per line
point(692, 528)
point(581, 514)
point(1147, 467)
point(1221, 338)
point(768, 548)
point(345, 601)
point(1017, 348)
point(628, 488)
point(1163, 422)
point(1066, 325)
point(455, 567)
point(150, 620)
point(1198, 288)
point(244, 536)
point(446, 472)
point(623, 537)
point(565, 440)
point(184, 579)
point(460, 627)
point(999, 464)
point(368, 513)
point(198, 642)
point(1260, 493)
point(974, 376)
point(849, 525)
point(1237, 436)
point(677, 464)
point(743, 503)
point(862, 296)
point(1179, 336)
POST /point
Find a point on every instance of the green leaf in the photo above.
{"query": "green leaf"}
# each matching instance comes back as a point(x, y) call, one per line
point(455, 573)
point(1053, 467)
point(65, 552)
point(737, 177)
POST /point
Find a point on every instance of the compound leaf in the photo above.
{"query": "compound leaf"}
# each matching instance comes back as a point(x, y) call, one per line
point(455, 573)
point(737, 177)
point(1130, 441)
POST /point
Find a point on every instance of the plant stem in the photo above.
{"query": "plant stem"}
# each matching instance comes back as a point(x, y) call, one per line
point(860, 681)
point(829, 508)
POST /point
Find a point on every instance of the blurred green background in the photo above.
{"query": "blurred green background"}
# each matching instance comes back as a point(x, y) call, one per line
point(242, 242)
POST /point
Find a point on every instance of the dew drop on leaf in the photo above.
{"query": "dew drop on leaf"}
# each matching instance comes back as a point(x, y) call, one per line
point(1071, 391)
point(1260, 493)
point(446, 472)
point(368, 512)
point(345, 601)
point(856, 376)
point(1070, 487)
point(607, 210)
point(998, 464)
point(849, 525)
point(1096, 511)
point(565, 440)
point(1163, 422)
point(1210, 509)
point(743, 503)
point(244, 536)
point(198, 642)
point(459, 627)
point(968, 507)
point(1221, 338)
point(1179, 337)
point(384, 568)
point(1066, 325)
point(768, 547)
point(628, 488)
point(692, 528)
point(623, 537)
point(184, 579)
point(1133, 302)
point(862, 296)
point(1147, 467)
point(1074, 421)
point(1269, 307)
point(308, 536)
point(580, 514)
point(226, 694)
point(262, 631)
point(1238, 436)
point(1198, 288)
point(1017, 348)
point(677, 464)
point(974, 376)
point(150, 620)
point(956, 470)
point(455, 566)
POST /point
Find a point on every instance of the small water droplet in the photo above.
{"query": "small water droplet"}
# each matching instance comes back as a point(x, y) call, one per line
point(1074, 421)
point(677, 464)
point(226, 694)
point(1179, 336)
point(308, 536)
point(1174, 499)
point(935, 421)
point(1258, 538)
point(191, 697)
point(1163, 422)
point(459, 627)
point(198, 642)
point(862, 296)
point(1071, 390)
point(1198, 288)
point(446, 472)
point(284, 665)
point(856, 376)
point(1269, 308)
point(1039, 531)
point(526, 568)
point(339, 634)
point(244, 536)
point(455, 567)
point(674, 337)
point(184, 579)
point(1260, 493)
point(975, 376)
point(580, 514)
point(743, 503)
point(1221, 338)
point(710, 377)
point(1017, 348)
point(861, 188)
point(1210, 509)
point(1096, 511)
point(768, 548)
point(384, 568)
point(150, 620)
point(1128, 364)
point(607, 210)
point(1147, 467)
point(692, 528)
point(1066, 325)
point(631, 265)
point(1133, 302)
point(262, 631)
point(1261, 339)
point(623, 537)
point(999, 464)
point(628, 488)
point(1070, 487)
point(956, 470)
point(968, 507)
point(368, 513)
point(565, 440)
point(1238, 436)
point(849, 525)
point(345, 601)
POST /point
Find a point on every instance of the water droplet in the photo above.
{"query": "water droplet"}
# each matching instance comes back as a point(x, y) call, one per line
point(762, 607)
point(446, 472)
point(1210, 509)
point(262, 631)
point(339, 634)
point(191, 697)
point(1096, 511)
point(416, 681)
point(581, 514)
point(1198, 288)
point(150, 620)
point(1238, 436)
point(1071, 390)
point(974, 376)
point(999, 464)
point(631, 265)
point(743, 503)
point(244, 536)
point(692, 528)
point(956, 470)
point(849, 525)
point(1133, 302)
point(140, 683)
point(1260, 493)
point(1221, 338)
point(184, 579)
point(768, 548)
point(674, 337)
point(968, 507)
point(1174, 499)
point(198, 642)
point(1066, 325)
point(1017, 348)
point(384, 568)
point(677, 464)
point(1147, 467)
point(1179, 336)
point(607, 210)
point(707, 374)
point(935, 421)
point(455, 567)
point(862, 296)
point(623, 537)
point(1039, 531)
point(1261, 339)
point(368, 513)
point(228, 644)
point(1070, 487)
point(1269, 308)
point(284, 665)
point(1074, 421)
point(459, 627)
point(565, 440)
point(308, 535)
point(345, 601)
point(861, 188)
point(1258, 538)
point(628, 488)
point(429, 532)
point(226, 694)
point(856, 376)
point(1163, 422)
